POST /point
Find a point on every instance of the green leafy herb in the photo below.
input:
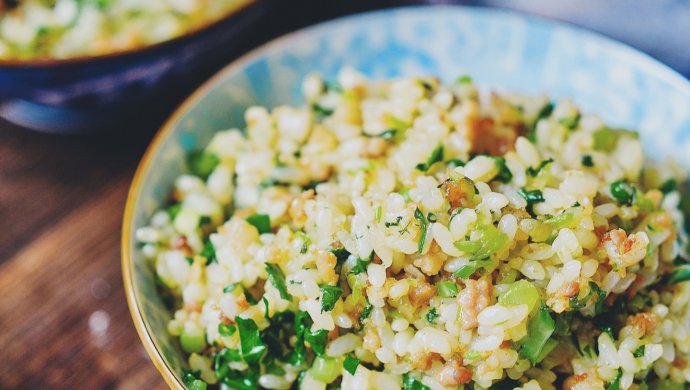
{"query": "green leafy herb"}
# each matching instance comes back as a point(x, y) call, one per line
point(539, 330)
point(192, 381)
point(366, 311)
point(543, 113)
point(410, 383)
point(587, 161)
point(317, 340)
point(350, 364)
point(639, 352)
point(531, 196)
point(423, 227)
point(173, 210)
point(436, 156)
point(202, 163)
point(321, 111)
point(447, 289)
point(209, 252)
point(277, 278)
point(616, 383)
point(535, 171)
point(623, 192)
point(454, 163)
point(680, 274)
point(668, 186)
point(396, 223)
point(329, 297)
point(431, 316)
point(504, 175)
point(251, 346)
point(361, 265)
point(226, 330)
point(261, 222)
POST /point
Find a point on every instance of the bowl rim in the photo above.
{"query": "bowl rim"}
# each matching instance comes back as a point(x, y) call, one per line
point(650, 63)
point(48, 62)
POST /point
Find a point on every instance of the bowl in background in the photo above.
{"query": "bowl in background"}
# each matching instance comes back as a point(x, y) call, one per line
point(499, 49)
point(90, 94)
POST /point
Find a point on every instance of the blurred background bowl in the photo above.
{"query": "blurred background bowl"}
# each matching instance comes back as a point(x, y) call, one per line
point(100, 93)
point(501, 50)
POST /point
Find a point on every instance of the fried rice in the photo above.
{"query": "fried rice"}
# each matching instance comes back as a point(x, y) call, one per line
point(410, 234)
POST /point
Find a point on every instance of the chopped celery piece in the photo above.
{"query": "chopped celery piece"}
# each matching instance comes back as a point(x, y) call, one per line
point(521, 292)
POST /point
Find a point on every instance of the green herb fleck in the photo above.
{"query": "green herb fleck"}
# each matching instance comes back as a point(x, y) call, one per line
point(202, 163)
point(587, 161)
point(447, 289)
point(436, 156)
point(431, 316)
point(350, 364)
point(423, 227)
point(329, 297)
point(261, 222)
point(623, 192)
point(277, 279)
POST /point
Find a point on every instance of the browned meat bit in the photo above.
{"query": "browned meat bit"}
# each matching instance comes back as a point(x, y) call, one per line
point(474, 298)
point(571, 382)
point(460, 193)
point(643, 323)
point(454, 373)
point(421, 293)
point(422, 361)
point(325, 264)
point(296, 211)
point(180, 243)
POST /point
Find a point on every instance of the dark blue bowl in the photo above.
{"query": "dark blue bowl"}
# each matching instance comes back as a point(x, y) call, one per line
point(90, 94)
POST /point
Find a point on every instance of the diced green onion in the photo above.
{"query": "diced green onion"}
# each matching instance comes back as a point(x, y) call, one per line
point(325, 369)
point(277, 279)
point(226, 330)
point(431, 316)
point(539, 330)
point(504, 175)
point(464, 79)
point(521, 292)
point(423, 227)
point(447, 289)
point(570, 122)
point(410, 383)
point(466, 271)
point(350, 364)
point(535, 171)
point(202, 163)
point(668, 186)
point(436, 156)
point(587, 161)
point(329, 297)
point(192, 343)
point(531, 196)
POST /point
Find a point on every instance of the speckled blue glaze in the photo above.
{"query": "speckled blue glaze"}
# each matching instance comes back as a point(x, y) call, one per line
point(500, 49)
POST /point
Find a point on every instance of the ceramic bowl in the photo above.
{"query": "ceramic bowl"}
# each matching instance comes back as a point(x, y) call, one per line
point(500, 49)
point(90, 94)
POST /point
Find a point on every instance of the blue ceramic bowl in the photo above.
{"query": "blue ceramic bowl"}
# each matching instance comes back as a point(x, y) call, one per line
point(500, 49)
point(89, 94)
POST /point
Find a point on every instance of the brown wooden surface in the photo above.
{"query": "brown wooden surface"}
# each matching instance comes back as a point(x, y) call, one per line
point(61, 204)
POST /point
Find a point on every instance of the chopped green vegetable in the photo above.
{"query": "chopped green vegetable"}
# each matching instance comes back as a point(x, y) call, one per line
point(361, 265)
point(570, 122)
point(325, 369)
point(350, 364)
point(454, 163)
point(668, 186)
point(606, 139)
point(423, 227)
point(623, 192)
point(490, 241)
point(193, 343)
point(317, 340)
point(535, 171)
point(252, 347)
point(226, 330)
point(639, 352)
point(531, 196)
point(436, 156)
point(504, 175)
point(173, 210)
point(587, 161)
point(377, 214)
point(521, 292)
point(543, 113)
point(366, 311)
point(192, 382)
point(202, 163)
point(564, 219)
point(464, 79)
point(261, 222)
point(277, 279)
point(209, 252)
point(431, 316)
point(329, 296)
point(616, 383)
point(466, 271)
point(539, 330)
point(321, 111)
point(680, 274)
point(447, 289)
point(410, 383)
point(388, 134)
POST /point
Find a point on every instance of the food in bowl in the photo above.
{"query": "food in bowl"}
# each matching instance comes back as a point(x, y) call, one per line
point(59, 29)
point(413, 234)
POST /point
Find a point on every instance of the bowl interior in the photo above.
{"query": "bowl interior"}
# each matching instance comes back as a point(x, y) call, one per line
point(500, 50)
